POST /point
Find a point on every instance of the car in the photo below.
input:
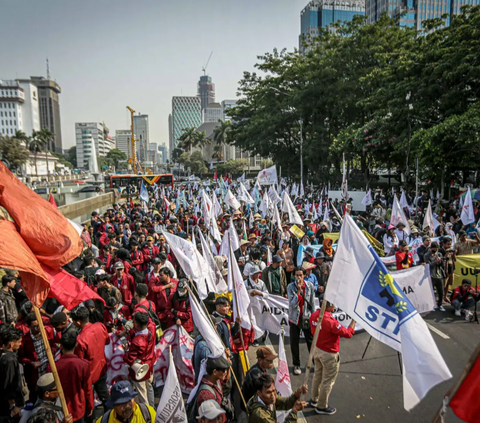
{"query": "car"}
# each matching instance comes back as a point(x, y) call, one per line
point(89, 189)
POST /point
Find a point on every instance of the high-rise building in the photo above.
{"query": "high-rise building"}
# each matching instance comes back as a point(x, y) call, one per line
point(416, 10)
point(91, 138)
point(206, 91)
point(123, 141)
point(186, 113)
point(323, 13)
point(164, 152)
point(140, 128)
point(171, 144)
point(226, 105)
point(18, 107)
point(49, 105)
point(212, 113)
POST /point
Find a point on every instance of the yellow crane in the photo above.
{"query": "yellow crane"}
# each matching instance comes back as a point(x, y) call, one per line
point(133, 156)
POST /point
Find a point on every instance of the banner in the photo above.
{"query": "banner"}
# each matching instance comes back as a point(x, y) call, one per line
point(295, 230)
point(464, 267)
point(117, 369)
point(268, 176)
point(182, 350)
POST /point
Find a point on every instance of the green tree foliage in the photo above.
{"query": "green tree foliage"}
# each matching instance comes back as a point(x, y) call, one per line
point(235, 167)
point(192, 138)
point(72, 155)
point(194, 161)
point(13, 150)
point(114, 156)
point(44, 136)
point(176, 153)
point(62, 160)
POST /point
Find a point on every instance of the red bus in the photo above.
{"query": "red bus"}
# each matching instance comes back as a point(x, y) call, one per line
point(122, 181)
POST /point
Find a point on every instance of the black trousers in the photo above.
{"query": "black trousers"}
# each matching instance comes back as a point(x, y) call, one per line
point(295, 341)
point(100, 387)
point(438, 284)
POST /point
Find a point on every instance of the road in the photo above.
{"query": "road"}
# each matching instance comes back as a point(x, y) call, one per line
point(371, 389)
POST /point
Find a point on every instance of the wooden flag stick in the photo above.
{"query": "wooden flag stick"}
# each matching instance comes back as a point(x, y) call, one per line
point(51, 360)
point(314, 342)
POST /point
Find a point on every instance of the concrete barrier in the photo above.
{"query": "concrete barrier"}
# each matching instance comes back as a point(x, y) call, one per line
point(84, 207)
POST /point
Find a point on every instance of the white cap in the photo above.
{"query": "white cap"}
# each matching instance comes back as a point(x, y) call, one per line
point(210, 410)
point(100, 272)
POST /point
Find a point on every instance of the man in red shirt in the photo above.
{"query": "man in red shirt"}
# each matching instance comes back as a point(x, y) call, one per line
point(326, 357)
point(179, 310)
point(91, 342)
point(160, 292)
point(149, 252)
point(76, 381)
point(403, 257)
point(142, 350)
point(124, 282)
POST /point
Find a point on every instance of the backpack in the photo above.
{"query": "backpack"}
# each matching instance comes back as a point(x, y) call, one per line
point(151, 314)
point(143, 408)
point(192, 409)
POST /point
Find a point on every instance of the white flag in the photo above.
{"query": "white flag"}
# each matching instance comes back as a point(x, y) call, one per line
point(289, 208)
point(367, 200)
point(242, 178)
point(239, 291)
point(212, 265)
point(282, 381)
point(232, 201)
point(273, 195)
point(217, 208)
point(265, 205)
point(209, 216)
point(344, 181)
point(302, 191)
point(171, 408)
point(468, 215)
point(362, 287)
point(268, 176)
point(403, 201)
point(326, 214)
point(251, 220)
point(398, 215)
point(243, 195)
point(192, 263)
point(204, 326)
point(233, 239)
point(428, 219)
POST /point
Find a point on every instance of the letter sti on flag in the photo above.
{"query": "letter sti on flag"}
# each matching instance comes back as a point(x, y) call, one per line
point(381, 304)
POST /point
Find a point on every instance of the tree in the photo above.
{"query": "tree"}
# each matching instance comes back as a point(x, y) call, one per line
point(176, 153)
point(116, 156)
point(188, 139)
point(72, 155)
point(44, 136)
point(35, 145)
point(62, 160)
point(194, 161)
point(235, 167)
point(220, 137)
point(13, 150)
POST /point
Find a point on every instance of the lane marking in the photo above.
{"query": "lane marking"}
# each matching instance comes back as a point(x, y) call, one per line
point(437, 331)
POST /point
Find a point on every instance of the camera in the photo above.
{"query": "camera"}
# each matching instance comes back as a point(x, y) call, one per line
point(475, 271)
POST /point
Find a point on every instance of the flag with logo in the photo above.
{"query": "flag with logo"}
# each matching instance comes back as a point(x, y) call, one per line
point(171, 408)
point(428, 219)
point(361, 286)
point(398, 215)
point(288, 207)
point(232, 201)
point(144, 193)
point(282, 381)
point(243, 195)
point(268, 176)
point(468, 215)
point(367, 200)
point(234, 240)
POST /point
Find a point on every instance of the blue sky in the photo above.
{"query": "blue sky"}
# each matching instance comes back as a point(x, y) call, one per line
point(107, 54)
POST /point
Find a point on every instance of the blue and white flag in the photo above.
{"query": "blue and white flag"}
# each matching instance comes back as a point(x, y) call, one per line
point(361, 286)
point(144, 193)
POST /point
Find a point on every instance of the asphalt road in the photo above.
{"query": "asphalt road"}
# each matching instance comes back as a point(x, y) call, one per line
point(371, 389)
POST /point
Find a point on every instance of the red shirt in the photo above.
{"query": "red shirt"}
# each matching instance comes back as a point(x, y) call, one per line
point(142, 347)
point(108, 321)
point(184, 313)
point(126, 287)
point(91, 343)
point(399, 257)
point(158, 295)
point(329, 337)
point(205, 395)
point(76, 382)
point(149, 255)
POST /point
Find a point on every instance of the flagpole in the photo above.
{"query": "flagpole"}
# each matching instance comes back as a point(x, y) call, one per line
point(314, 342)
point(452, 392)
point(51, 360)
point(211, 321)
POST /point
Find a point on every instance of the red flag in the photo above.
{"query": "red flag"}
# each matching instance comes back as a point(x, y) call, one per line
point(465, 403)
point(215, 177)
point(51, 200)
point(67, 289)
point(225, 177)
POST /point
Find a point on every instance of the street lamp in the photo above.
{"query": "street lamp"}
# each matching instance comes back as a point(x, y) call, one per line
point(300, 121)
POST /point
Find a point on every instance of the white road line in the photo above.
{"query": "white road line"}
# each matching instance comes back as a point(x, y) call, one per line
point(268, 344)
point(437, 331)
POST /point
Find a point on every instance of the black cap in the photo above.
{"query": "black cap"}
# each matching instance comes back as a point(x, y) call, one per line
point(156, 260)
point(402, 243)
point(219, 363)
point(466, 281)
point(320, 255)
point(434, 244)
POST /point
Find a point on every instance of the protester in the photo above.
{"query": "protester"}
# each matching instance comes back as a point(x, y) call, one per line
point(403, 258)
point(275, 278)
point(210, 412)
point(265, 361)
point(8, 306)
point(437, 271)
point(48, 397)
point(464, 299)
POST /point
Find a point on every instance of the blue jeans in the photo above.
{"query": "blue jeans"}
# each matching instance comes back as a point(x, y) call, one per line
point(457, 305)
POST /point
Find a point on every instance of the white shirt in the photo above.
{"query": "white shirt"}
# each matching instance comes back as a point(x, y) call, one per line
point(170, 267)
point(388, 243)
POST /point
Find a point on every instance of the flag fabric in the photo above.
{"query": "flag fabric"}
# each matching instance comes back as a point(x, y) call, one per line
point(428, 219)
point(282, 381)
point(117, 369)
point(344, 181)
point(361, 286)
point(276, 218)
point(468, 215)
point(223, 251)
point(144, 193)
point(398, 215)
point(242, 178)
point(232, 201)
point(241, 300)
point(265, 205)
point(465, 403)
point(243, 195)
point(51, 200)
point(288, 207)
point(204, 326)
point(212, 265)
point(251, 220)
point(367, 200)
point(192, 263)
point(302, 191)
point(209, 216)
point(403, 201)
point(182, 346)
point(273, 195)
point(268, 176)
point(217, 208)
point(215, 176)
point(171, 408)
point(326, 215)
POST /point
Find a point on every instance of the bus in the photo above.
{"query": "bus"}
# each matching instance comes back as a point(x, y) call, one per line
point(135, 181)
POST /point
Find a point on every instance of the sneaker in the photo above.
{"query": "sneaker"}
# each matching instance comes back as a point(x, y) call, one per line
point(458, 313)
point(297, 370)
point(441, 308)
point(468, 315)
point(312, 403)
point(255, 344)
point(329, 410)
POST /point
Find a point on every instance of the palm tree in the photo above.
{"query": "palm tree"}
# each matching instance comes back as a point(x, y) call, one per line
point(201, 139)
point(35, 145)
point(46, 137)
point(22, 138)
point(188, 139)
point(220, 135)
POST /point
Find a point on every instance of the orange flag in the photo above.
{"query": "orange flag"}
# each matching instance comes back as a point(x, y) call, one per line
point(51, 200)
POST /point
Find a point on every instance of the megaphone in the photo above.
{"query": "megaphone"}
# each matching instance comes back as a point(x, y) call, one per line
point(140, 370)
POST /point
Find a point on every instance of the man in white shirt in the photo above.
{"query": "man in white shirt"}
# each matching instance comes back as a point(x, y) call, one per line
point(165, 263)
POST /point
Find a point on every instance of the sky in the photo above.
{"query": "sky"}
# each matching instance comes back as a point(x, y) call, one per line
point(109, 54)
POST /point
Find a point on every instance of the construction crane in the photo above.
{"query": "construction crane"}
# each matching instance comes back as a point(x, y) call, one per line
point(204, 69)
point(133, 156)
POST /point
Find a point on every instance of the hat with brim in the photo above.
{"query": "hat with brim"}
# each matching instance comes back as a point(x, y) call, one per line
point(276, 259)
point(307, 266)
point(252, 236)
point(257, 216)
point(244, 242)
point(209, 410)
point(121, 393)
